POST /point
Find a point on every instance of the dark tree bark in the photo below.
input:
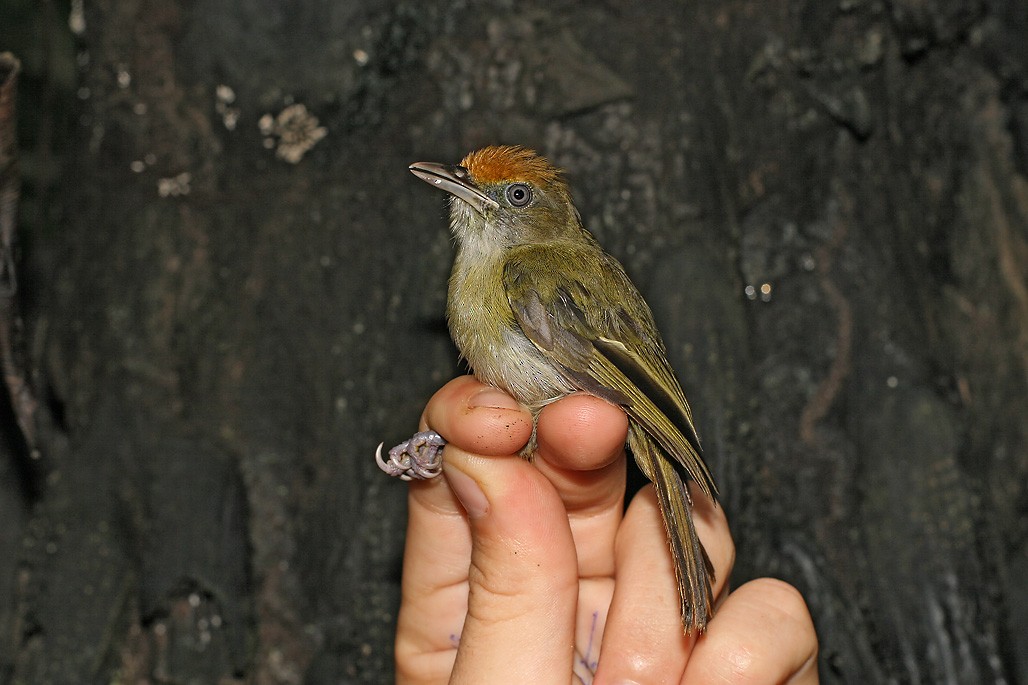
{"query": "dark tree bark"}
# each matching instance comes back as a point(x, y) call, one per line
point(825, 203)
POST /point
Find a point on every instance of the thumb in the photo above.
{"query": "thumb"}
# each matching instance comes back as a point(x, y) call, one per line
point(523, 577)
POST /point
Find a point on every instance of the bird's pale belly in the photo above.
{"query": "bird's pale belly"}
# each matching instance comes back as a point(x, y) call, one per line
point(490, 339)
point(525, 374)
point(508, 360)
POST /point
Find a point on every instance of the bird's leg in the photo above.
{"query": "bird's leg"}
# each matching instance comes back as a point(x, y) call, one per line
point(419, 458)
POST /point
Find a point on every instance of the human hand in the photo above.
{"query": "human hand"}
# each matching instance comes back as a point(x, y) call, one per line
point(534, 573)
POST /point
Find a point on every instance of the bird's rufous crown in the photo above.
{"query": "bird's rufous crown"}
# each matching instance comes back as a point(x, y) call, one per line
point(506, 163)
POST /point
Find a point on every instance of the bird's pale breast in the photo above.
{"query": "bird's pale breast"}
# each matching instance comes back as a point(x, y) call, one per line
point(488, 337)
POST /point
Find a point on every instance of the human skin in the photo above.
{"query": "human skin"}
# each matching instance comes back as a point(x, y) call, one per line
point(520, 571)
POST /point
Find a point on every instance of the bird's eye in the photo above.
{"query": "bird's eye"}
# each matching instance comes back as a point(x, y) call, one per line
point(519, 194)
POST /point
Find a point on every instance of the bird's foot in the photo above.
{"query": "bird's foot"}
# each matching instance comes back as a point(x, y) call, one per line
point(419, 458)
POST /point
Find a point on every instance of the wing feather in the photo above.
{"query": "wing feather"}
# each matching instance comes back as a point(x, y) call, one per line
point(693, 570)
point(575, 321)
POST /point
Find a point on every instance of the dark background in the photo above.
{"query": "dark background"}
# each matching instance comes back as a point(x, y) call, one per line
point(826, 204)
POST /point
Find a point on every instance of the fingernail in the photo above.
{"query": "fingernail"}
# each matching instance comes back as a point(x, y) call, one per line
point(467, 491)
point(493, 399)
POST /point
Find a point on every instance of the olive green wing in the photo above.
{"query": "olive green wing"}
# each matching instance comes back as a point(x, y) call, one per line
point(570, 301)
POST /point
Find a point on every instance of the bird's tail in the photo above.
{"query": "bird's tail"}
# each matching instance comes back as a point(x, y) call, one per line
point(693, 570)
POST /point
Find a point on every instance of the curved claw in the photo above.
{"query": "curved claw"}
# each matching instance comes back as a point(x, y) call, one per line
point(419, 458)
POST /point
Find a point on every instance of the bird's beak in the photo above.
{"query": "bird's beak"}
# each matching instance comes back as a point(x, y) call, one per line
point(456, 181)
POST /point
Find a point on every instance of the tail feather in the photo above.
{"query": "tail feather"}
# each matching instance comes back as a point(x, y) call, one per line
point(693, 570)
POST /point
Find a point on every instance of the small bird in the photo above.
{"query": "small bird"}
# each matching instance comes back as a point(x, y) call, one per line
point(539, 310)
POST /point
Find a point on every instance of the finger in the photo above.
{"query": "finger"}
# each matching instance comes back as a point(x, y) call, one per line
point(523, 580)
point(434, 585)
point(763, 633)
point(644, 640)
point(581, 432)
point(581, 449)
point(478, 418)
point(438, 546)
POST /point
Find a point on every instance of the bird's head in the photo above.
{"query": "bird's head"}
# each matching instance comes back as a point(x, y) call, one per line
point(504, 196)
